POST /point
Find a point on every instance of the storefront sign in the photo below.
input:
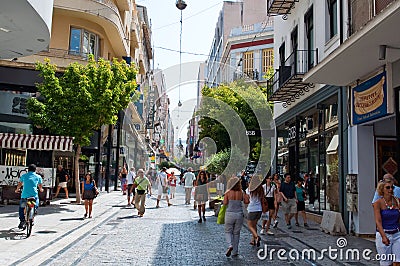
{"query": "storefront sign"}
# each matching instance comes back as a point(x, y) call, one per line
point(13, 104)
point(9, 175)
point(292, 133)
point(150, 116)
point(369, 100)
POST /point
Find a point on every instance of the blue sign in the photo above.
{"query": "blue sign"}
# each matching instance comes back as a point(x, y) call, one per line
point(369, 100)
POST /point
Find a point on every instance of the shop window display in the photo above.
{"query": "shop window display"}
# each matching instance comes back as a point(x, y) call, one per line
point(317, 158)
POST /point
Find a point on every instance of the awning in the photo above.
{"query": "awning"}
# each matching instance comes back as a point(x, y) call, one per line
point(36, 142)
point(333, 145)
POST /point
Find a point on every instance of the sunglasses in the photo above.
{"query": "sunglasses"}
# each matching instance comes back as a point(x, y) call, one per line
point(389, 187)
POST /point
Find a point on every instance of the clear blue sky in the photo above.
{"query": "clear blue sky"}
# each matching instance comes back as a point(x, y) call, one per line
point(198, 27)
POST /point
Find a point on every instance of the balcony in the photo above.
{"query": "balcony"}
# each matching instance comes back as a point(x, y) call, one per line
point(280, 7)
point(59, 57)
point(287, 83)
point(101, 12)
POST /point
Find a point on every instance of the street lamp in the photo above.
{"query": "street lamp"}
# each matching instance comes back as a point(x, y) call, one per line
point(180, 4)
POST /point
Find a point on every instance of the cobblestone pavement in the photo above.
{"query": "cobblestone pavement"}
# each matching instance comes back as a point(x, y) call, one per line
point(164, 236)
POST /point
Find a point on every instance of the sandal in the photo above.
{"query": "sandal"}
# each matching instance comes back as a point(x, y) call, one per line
point(253, 241)
point(258, 241)
point(229, 251)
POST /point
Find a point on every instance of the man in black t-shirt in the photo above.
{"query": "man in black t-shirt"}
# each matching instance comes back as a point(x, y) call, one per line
point(62, 177)
point(289, 204)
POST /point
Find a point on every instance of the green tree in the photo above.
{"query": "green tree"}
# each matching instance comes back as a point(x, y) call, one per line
point(82, 99)
point(245, 100)
point(218, 162)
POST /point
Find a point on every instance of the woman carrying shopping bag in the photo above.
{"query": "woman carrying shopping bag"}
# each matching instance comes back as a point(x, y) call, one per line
point(233, 199)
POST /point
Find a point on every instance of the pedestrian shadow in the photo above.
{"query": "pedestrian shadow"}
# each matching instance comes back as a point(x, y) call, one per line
point(12, 211)
point(120, 206)
point(13, 234)
point(127, 217)
point(71, 219)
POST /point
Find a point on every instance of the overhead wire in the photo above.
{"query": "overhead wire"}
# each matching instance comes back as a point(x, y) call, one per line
point(188, 16)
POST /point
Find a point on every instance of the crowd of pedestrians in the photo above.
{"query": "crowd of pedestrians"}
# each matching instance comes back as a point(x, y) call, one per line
point(253, 198)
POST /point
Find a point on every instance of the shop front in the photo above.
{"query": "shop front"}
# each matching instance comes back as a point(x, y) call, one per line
point(308, 147)
point(20, 143)
point(19, 150)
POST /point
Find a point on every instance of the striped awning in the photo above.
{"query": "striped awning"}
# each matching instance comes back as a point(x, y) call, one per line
point(36, 142)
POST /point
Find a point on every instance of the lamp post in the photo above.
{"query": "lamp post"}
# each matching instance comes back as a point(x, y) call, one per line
point(181, 5)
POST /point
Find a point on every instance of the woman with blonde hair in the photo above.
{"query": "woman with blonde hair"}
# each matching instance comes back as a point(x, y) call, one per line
point(233, 198)
point(387, 215)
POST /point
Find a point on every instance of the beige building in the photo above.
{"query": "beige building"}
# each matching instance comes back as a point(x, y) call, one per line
point(105, 28)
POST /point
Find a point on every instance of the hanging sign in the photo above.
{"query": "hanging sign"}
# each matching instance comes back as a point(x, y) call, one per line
point(369, 99)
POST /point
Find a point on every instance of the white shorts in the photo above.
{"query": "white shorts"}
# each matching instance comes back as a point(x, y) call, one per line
point(63, 184)
point(385, 252)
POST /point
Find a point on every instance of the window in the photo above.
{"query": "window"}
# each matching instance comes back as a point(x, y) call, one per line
point(294, 39)
point(248, 63)
point(267, 59)
point(309, 24)
point(333, 22)
point(83, 43)
point(282, 54)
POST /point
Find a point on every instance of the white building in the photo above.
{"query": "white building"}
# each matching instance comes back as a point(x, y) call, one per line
point(336, 89)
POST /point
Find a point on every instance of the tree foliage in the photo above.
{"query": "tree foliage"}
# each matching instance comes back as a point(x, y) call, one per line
point(218, 162)
point(214, 119)
point(81, 99)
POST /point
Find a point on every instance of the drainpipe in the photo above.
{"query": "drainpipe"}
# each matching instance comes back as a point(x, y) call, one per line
point(117, 151)
point(349, 30)
point(109, 147)
point(341, 22)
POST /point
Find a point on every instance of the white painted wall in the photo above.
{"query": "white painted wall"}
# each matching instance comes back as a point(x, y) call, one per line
point(362, 156)
point(284, 28)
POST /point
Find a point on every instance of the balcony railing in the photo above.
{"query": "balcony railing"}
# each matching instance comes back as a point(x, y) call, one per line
point(253, 75)
point(287, 83)
point(280, 7)
point(65, 54)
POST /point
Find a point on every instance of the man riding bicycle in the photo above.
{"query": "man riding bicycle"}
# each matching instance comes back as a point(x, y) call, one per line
point(30, 182)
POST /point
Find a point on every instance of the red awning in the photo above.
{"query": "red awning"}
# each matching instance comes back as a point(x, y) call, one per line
point(36, 142)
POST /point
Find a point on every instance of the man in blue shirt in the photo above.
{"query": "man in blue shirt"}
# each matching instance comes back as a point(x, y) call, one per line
point(30, 182)
point(396, 190)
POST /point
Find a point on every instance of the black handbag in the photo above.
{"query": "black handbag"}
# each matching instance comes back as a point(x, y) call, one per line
point(95, 191)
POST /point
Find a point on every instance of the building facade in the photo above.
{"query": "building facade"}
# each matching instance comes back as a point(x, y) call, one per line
point(233, 14)
point(107, 29)
point(335, 107)
point(248, 52)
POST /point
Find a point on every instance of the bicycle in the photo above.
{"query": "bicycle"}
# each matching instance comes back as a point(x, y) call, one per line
point(29, 214)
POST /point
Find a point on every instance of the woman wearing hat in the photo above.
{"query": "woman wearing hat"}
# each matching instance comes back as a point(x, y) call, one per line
point(233, 199)
point(255, 208)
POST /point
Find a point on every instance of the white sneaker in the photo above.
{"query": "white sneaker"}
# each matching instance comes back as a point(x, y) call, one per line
point(275, 224)
point(269, 232)
point(262, 232)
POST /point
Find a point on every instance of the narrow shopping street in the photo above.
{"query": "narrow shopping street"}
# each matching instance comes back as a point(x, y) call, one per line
point(165, 236)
